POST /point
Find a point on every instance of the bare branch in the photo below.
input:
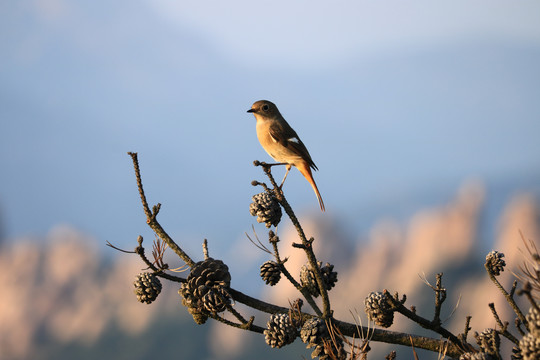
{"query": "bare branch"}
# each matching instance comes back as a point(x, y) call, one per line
point(151, 216)
point(312, 259)
point(504, 326)
point(205, 249)
point(139, 250)
point(117, 248)
point(508, 296)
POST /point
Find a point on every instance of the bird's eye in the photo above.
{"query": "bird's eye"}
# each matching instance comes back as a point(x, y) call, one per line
point(265, 107)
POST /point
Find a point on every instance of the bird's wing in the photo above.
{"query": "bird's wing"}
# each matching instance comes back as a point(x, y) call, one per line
point(284, 134)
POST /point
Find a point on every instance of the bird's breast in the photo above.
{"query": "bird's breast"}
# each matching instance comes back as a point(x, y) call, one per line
point(273, 147)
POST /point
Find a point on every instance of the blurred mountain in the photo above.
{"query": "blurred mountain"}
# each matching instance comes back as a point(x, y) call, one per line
point(63, 299)
point(412, 125)
point(403, 258)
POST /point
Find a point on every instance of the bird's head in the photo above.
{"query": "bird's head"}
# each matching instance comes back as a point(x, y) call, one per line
point(264, 108)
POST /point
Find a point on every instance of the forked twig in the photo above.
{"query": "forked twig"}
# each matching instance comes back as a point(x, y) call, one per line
point(259, 244)
point(117, 248)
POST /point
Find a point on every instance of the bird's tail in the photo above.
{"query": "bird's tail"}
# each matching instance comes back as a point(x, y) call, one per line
point(306, 171)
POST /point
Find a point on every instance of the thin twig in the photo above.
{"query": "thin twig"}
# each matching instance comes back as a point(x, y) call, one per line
point(205, 249)
point(233, 310)
point(244, 326)
point(440, 296)
point(399, 307)
point(291, 279)
point(259, 245)
point(139, 250)
point(518, 324)
point(117, 248)
point(465, 333)
point(151, 217)
point(453, 310)
point(504, 327)
point(508, 297)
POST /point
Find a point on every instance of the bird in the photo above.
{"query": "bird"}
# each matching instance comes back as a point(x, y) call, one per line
point(282, 143)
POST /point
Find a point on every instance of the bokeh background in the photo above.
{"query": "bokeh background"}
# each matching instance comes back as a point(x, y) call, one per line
point(423, 118)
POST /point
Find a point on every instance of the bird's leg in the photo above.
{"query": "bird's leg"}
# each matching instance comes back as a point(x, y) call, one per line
point(268, 166)
point(286, 173)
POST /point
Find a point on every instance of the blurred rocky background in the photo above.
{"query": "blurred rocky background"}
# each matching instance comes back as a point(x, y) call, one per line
point(71, 297)
point(423, 119)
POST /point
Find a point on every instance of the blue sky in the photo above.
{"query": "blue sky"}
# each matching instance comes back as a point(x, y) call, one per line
point(398, 103)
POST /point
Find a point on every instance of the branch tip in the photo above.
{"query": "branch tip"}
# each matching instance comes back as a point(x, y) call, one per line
point(205, 249)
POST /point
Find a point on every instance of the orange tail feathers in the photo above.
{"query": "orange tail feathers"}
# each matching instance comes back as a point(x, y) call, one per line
point(303, 167)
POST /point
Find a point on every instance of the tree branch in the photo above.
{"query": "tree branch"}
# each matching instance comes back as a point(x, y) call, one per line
point(151, 217)
point(509, 297)
point(307, 246)
point(454, 347)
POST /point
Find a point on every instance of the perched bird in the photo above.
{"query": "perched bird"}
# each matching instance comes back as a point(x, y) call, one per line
point(282, 143)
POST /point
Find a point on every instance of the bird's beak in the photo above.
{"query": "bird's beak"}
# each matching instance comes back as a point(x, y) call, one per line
point(251, 110)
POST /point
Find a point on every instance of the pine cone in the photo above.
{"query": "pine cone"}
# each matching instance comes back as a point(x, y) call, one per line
point(271, 272)
point(533, 318)
point(330, 350)
point(489, 341)
point(313, 331)
point(147, 287)
point(378, 310)
point(495, 262)
point(198, 316)
point(476, 356)
point(266, 208)
point(315, 334)
point(516, 353)
point(329, 276)
point(530, 347)
point(216, 300)
point(308, 280)
point(207, 287)
point(280, 331)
